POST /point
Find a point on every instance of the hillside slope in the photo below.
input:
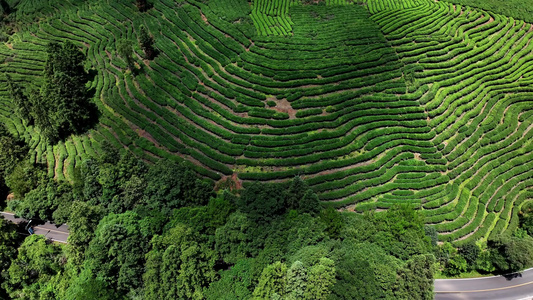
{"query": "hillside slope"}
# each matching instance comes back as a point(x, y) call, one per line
point(415, 101)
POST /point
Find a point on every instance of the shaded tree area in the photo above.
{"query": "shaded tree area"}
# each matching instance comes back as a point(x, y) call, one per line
point(143, 5)
point(125, 51)
point(500, 254)
point(36, 270)
point(12, 152)
point(146, 42)
point(62, 105)
point(159, 232)
point(9, 242)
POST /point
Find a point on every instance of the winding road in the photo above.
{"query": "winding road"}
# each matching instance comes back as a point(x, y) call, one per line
point(55, 233)
point(506, 287)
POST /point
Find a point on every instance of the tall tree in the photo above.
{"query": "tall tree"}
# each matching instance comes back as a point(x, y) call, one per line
point(12, 150)
point(36, 264)
point(297, 281)
point(232, 239)
point(23, 106)
point(511, 253)
point(147, 43)
point(171, 185)
point(142, 5)
point(415, 279)
point(272, 282)
point(24, 178)
point(82, 223)
point(64, 88)
point(8, 243)
point(62, 106)
point(9, 240)
point(125, 50)
point(321, 279)
point(116, 253)
point(5, 7)
point(179, 266)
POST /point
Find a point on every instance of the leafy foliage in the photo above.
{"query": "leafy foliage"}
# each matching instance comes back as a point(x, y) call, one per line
point(511, 253)
point(147, 43)
point(62, 106)
point(179, 266)
point(12, 151)
point(160, 232)
point(125, 50)
point(116, 254)
point(37, 262)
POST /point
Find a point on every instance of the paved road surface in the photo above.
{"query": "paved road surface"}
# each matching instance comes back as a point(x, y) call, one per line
point(49, 230)
point(507, 287)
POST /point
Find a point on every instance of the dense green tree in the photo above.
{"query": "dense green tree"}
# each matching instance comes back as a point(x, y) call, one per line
point(204, 220)
point(116, 182)
point(356, 280)
point(456, 265)
point(333, 221)
point(484, 262)
point(63, 107)
point(309, 203)
point(9, 240)
point(263, 202)
point(300, 197)
point(511, 253)
point(36, 264)
point(232, 239)
point(89, 187)
point(444, 252)
point(431, 232)
point(109, 154)
point(400, 230)
point(125, 50)
point(86, 287)
point(50, 201)
point(272, 281)
point(147, 43)
point(171, 185)
point(24, 178)
point(5, 7)
point(415, 279)
point(234, 284)
point(526, 217)
point(321, 278)
point(295, 192)
point(297, 281)
point(363, 271)
point(142, 5)
point(178, 266)
point(83, 221)
point(4, 191)
point(470, 252)
point(23, 105)
point(12, 151)
point(116, 253)
point(131, 195)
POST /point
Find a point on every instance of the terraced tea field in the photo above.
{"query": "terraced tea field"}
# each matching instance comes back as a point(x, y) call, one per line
point(415, 101)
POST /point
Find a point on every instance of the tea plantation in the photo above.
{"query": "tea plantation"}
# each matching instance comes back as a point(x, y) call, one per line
point(373, 103)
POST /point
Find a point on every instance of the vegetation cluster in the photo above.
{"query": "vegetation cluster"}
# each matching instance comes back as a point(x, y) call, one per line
point(160, 232)
point(377, 143)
